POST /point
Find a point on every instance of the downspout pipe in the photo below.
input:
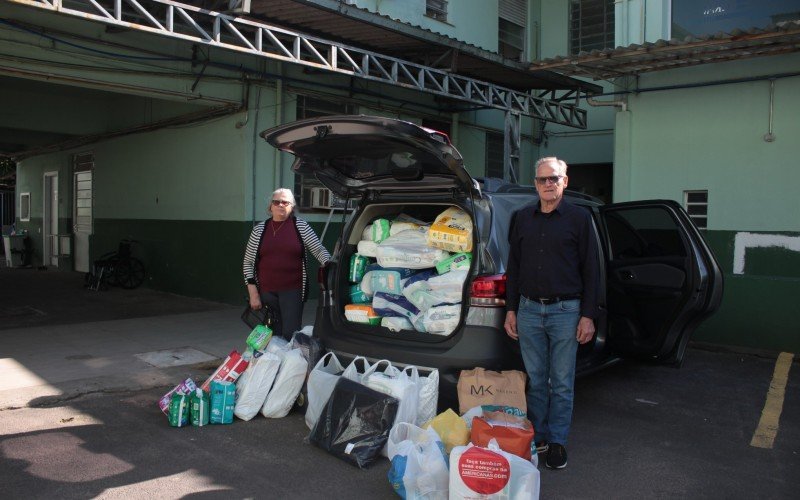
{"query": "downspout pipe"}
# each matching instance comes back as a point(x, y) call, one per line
point(619, 104)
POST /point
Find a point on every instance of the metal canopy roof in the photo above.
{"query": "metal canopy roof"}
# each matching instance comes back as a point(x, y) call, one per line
point(359, 27)
point(197, 25)
point(668, 54)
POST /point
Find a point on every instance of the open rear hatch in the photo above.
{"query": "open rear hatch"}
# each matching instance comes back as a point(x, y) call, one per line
point(352, 154)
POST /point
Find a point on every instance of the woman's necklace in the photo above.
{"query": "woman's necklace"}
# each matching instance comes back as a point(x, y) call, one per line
point(272, 226)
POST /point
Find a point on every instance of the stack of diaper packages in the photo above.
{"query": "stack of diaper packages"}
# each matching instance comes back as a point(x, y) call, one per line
point(407, 275)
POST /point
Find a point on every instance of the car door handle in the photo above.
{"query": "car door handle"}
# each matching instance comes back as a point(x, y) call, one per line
point(626, 275)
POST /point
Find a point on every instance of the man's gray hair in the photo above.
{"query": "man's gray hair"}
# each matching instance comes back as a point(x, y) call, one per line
point(562, 166)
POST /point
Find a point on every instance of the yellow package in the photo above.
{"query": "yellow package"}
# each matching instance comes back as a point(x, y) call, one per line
point(451, 231)
point(451, 429)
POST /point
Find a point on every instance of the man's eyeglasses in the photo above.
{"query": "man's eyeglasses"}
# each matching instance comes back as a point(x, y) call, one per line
point(552, 179)
point(282, 203)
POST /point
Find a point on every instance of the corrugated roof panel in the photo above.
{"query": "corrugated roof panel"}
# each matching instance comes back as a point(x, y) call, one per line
point(351, 25)
point(668, 54)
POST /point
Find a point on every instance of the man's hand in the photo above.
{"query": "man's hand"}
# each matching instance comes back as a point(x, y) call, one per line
point(585, 329)
point(511, 325)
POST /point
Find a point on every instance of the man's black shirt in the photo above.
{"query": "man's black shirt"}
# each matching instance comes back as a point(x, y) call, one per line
point(553, 255)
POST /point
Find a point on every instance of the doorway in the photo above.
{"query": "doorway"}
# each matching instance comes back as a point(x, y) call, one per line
point(594, 179)
point(50, 220)
point(82, 203)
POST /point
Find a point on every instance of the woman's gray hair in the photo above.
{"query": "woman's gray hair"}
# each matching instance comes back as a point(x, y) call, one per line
point(562, 166)
point(285, 191)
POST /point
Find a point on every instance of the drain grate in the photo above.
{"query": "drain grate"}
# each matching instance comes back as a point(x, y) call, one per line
point(175, 357)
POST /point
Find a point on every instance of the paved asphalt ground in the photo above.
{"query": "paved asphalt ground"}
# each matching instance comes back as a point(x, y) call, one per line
point(78, 414)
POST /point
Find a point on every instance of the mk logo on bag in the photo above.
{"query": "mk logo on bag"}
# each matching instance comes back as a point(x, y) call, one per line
point(481, 390)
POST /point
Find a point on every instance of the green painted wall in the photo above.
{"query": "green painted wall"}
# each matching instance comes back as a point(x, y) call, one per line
point(758, 305)
point(711, 137)
point(193, 258)
point(554, 23)
point(470, 21)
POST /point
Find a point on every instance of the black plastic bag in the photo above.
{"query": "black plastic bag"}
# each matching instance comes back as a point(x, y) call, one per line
point(264, 316)
point(312, 350)
point(355, 423)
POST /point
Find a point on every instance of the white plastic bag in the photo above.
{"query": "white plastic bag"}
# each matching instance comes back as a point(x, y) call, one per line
point(491, 474)
point(439, 320)
point(409, 249)
point(388, 305)
point(428, 399)
point(367, 248)
point(403, 431)
point(288, 383)
point(277, 345)
point(356, 370)
point(419, 464)
point(397, 384)
point(396, 324)
point(450, 286)
point(321, 382)
point(254, 385)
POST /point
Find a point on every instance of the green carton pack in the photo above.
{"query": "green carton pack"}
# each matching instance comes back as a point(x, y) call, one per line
point(199, 407)
point(179, 410)
point(358, 266)
point(458, 261)
point(259, 337)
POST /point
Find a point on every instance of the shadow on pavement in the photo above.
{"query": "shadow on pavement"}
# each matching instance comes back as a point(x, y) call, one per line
point(33, 297)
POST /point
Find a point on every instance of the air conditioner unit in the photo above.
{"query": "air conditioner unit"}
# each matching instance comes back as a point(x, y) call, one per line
point(321, 198)
point(239, 6)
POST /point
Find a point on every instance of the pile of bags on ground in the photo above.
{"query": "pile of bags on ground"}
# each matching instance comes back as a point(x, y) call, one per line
point(408, 275)
point(267, 378)
point(361, 411)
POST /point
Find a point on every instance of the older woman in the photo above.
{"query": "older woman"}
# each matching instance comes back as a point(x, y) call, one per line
point(275, 263)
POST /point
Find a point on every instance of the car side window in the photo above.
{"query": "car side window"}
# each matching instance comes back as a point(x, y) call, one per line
point(636, 233)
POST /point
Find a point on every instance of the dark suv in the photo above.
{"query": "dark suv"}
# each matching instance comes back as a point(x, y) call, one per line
point(661, 278)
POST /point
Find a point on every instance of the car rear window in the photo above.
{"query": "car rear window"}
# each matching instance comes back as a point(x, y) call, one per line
point(368, 158)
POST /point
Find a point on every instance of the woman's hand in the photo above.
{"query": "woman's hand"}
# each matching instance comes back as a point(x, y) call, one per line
point(255, 298)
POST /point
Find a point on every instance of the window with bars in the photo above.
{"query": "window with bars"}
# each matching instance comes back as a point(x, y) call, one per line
point(696, 205)
point(494, 154)
point(308, 191)
point(437, 9)
point(511, 40)
point(591, 25)
point(512, 22)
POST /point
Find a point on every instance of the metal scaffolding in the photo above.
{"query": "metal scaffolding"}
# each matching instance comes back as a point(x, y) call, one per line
point(196, 25)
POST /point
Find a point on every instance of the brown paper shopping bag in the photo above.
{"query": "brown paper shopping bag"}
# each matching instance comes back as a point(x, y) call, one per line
point(485, 387)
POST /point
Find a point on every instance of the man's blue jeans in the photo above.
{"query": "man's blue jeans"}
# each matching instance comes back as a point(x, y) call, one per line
point(547, 337)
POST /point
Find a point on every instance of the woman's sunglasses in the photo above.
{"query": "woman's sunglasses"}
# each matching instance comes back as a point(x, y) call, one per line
point(282, 203)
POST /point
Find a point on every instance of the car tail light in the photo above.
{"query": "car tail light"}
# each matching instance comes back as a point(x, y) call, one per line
point(488, 291)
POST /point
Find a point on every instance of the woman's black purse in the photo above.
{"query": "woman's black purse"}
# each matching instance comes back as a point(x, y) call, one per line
point(263, 316)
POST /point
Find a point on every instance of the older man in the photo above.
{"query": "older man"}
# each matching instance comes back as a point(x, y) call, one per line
point(552, 301)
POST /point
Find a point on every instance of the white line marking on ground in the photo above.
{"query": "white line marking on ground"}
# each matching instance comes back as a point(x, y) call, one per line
point(764, 436)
